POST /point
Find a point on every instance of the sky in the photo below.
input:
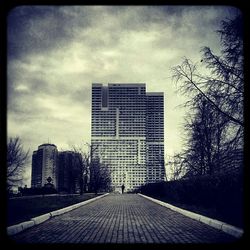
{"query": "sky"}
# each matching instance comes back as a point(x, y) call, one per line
point(55, 53)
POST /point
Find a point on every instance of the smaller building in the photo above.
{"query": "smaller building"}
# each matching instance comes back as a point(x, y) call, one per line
point(69, 172)
point(44, 165)
point(63, 169)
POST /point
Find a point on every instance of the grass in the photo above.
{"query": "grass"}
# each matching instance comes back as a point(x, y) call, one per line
point(25, 208)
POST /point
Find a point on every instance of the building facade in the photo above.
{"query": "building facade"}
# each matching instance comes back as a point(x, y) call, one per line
point(122, 118)
point(69, 172)
point(64, 168)
point(44, 165)
point(155, 137)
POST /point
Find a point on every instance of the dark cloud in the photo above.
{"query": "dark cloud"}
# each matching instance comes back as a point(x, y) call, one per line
point(33, 29)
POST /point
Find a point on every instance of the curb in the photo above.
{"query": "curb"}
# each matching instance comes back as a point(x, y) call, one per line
point(229, 229)
point(14, 229)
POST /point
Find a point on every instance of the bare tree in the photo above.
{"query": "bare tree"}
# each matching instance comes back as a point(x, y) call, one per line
point(208, 143)
point(16, 160)
point(93, 174)
point(225, 77)
point(206, 131)
point(100, 176)
point(176, 167)
point(83, 166)
point(215, 126)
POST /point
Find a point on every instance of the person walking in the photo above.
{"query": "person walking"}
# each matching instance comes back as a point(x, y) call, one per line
point(123, 187)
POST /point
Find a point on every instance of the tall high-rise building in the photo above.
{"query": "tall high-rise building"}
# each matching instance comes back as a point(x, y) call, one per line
point(127, 133)
point(44, 165)
point(155, 137)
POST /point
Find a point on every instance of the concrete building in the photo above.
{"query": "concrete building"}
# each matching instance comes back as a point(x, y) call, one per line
point(126, 134)
point(63, 167)
point(44, 165)
point(69, 172)
point(155, 137)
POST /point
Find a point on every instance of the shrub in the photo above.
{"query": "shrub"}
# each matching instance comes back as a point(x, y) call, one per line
point(222, 193)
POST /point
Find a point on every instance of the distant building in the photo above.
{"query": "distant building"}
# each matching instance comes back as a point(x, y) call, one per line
point(36, 173)
point(127, 133)
point(62, 167)
point(44, 165)
point(69, 172)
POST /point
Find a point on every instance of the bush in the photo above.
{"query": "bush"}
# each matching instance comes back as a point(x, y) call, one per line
point(221, 193)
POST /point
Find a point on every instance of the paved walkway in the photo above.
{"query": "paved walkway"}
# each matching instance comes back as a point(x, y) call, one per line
point(127, 218)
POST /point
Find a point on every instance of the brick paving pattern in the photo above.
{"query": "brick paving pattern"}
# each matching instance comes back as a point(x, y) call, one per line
point(117, 218)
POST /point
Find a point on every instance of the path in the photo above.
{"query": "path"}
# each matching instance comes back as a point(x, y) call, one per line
point(127, 218)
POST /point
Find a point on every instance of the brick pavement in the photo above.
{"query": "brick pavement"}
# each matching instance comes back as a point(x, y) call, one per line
point(127, 218)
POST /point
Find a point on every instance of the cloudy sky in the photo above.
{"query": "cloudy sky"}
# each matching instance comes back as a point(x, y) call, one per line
point(55, 53)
